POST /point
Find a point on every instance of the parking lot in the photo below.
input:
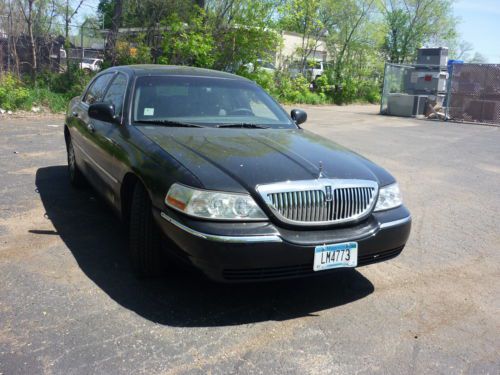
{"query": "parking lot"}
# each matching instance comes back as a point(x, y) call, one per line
point(70, 304)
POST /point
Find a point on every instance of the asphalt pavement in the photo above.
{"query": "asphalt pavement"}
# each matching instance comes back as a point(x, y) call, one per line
point(69, 303)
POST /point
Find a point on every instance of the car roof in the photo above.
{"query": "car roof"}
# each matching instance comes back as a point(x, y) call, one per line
point(152, 69)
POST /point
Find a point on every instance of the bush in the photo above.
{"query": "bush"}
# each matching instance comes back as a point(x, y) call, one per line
point(50, 90)
point(135, 51)
point(43, 96)
point(298, 90)
point(370, 92)
point(71, 83)
point(353, 90)
point(286, 89)
point(193, 45)
point(324, 87)
point(54, 90)
point(263, 78)
point(13, 94)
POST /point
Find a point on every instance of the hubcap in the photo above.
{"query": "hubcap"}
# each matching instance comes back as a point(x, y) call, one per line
point(71, 160)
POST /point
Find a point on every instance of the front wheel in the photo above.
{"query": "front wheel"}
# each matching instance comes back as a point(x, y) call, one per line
point(76, 177)
point(144, 236)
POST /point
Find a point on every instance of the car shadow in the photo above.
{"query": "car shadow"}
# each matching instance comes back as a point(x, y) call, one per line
point(98, 242)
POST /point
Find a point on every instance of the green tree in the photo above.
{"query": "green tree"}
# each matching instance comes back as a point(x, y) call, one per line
point(105, 10)
point(116, 22)
point(352, 32)
point(311, 19)
point(243, 31)
point(409, 24)
point(188, 44)
point(38, 17)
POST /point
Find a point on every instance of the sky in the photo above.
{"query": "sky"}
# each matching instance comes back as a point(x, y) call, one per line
point(479, 24)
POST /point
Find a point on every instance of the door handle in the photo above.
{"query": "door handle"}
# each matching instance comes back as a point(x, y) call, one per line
point(112, 141)
point(91, 128)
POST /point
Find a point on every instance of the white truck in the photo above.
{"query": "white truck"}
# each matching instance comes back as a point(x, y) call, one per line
point(91, 64)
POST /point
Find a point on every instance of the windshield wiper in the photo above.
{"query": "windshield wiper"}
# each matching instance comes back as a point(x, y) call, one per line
point(242, 125)
point(169, 123)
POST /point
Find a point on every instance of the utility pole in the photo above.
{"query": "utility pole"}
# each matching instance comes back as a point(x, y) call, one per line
point(81, 39)
point(67, 19)
point(110, 51)
point(66, 37)
point(9, 20)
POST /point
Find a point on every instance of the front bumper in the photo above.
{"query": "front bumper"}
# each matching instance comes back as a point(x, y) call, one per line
point(236, 252)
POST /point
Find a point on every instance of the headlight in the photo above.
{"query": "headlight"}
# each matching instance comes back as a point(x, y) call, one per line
point(389, 197)
point(215, 205)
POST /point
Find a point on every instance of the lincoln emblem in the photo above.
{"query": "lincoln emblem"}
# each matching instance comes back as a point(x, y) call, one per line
point(328, 193)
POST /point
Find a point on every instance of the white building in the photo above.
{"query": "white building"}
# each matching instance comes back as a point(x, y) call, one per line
point(292, 41)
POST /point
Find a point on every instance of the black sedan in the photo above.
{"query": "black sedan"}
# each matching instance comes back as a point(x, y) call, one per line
point(207, 169)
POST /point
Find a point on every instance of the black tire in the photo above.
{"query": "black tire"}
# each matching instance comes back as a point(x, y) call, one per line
point(145, 249)
point(76, 177)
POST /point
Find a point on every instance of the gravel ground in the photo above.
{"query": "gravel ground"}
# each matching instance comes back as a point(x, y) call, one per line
point(69, 303)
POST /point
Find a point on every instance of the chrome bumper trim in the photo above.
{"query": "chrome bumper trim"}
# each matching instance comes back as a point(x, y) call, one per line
point(218, 238)
point(395, 222)
point(255, 239)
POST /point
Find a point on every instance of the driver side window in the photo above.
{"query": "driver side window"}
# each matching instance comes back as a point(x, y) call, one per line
point(116, 93)
point(95, 93)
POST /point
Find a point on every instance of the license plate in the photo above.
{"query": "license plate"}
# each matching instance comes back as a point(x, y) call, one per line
point(335, 256)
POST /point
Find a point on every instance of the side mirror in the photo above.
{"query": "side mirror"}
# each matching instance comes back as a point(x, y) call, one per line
point(103, 112)
point(299, 116)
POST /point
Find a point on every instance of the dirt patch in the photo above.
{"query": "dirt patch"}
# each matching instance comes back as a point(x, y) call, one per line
point(32, 115)
point(17, 241)
point(29, 171)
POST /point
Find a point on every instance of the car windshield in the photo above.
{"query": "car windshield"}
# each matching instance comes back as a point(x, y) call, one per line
point(206, 101)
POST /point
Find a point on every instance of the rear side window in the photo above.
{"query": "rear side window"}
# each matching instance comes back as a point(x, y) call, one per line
point(95, 93)
point(116, 93)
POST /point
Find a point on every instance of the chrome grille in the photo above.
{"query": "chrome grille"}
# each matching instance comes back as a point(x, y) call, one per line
point(321, 201)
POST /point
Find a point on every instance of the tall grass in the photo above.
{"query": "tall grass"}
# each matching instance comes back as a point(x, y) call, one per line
point(51, 90)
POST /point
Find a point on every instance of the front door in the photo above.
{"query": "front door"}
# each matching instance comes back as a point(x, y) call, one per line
point(88, 142)
point(105, 136)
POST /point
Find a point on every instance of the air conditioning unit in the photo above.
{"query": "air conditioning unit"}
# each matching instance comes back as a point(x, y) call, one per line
point(405, 105)
point(432, 56)
point(422, 81)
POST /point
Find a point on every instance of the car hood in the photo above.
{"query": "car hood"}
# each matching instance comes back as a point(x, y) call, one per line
point(241, 159)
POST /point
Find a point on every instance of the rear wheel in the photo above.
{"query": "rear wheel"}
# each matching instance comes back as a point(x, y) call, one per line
point(76, 177)
point(145, 239)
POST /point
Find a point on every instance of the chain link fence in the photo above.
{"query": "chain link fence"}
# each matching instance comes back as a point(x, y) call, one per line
point(395, 83)
point(471, 93)
point(86, 43)
point(413, 90)
point(474, 93)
